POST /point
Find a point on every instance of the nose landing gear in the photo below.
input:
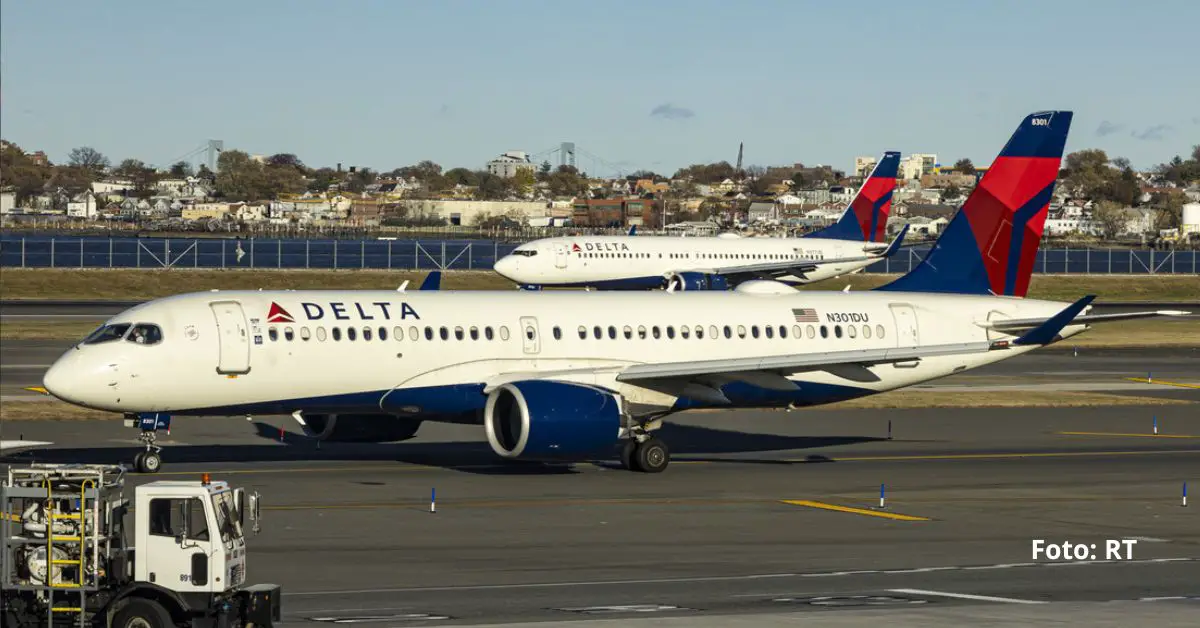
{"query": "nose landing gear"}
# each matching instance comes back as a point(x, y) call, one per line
point(150, 460)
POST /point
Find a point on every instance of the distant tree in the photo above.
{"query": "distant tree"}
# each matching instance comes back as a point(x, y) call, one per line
point(360, 179)
point(321, 178)
point(180, 169)
point(1111, 217)
point(964, 166)
point(88, 158)
point(463, 176)
point(1121, 163)
point(286, 159)
point(522, 181)
point(545, 168)
point(950, 192)
point(18, 170)
point(72, 180)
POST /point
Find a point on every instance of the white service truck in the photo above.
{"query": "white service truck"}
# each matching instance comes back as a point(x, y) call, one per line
point(68, 559)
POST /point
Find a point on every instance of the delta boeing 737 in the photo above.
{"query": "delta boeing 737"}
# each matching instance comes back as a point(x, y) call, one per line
point(630, 262)
point(574, 375)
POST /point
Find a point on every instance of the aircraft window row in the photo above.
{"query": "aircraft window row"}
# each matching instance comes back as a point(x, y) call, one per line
point(611, 332)
point(141, 333)
point(754, 256)
point(382, 333)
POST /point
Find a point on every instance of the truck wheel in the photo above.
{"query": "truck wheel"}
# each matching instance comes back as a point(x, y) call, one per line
point(141, 613)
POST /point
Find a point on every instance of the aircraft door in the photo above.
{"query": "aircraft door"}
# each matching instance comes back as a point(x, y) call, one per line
point(560, 256)
point(906, 325)
point(529, 335)
point(233, 337)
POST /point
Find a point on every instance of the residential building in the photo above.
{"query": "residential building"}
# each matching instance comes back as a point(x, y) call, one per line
point(917, 164)
point(510, 163)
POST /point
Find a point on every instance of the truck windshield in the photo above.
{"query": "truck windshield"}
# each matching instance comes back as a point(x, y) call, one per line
point(227, 521)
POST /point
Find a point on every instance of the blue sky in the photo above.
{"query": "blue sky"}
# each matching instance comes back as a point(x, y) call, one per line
point(652, 84)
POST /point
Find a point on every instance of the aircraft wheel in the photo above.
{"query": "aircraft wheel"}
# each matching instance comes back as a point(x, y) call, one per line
point(148, 462)
point(652, 456)
point(629, 455)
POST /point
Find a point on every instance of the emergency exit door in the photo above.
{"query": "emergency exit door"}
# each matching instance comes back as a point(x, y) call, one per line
point(529, 335)
point(233, 337)
point(560, 256)
point(906, 325)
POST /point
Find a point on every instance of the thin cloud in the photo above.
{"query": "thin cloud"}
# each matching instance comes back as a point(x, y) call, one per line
point(1108, 128)
point(671, 112)
point(1152, 134)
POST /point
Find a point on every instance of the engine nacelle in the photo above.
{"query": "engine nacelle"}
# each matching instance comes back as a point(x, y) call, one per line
point(680, 281)
point(550, 420)
point(360, 428)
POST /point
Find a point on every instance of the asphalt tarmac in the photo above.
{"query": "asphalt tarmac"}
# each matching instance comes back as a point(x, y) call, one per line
point(765, 515)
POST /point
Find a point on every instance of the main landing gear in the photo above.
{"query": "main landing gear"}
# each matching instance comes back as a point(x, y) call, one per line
point(642, 451)
point(150, 460)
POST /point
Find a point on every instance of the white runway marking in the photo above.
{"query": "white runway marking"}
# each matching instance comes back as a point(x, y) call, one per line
point(966, 596)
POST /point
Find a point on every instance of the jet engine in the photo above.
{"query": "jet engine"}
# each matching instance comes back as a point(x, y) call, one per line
point(541, 419)
point(691, 280)
point(360, 428)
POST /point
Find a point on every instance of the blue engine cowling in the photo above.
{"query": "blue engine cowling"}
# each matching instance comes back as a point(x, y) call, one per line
point(538, 419)
point(690, 280)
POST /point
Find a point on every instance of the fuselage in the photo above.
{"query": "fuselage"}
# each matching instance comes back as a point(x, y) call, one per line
point(430, 354)
point(624, 262)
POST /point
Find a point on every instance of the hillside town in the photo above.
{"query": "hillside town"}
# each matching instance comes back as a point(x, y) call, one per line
point(1097, 197)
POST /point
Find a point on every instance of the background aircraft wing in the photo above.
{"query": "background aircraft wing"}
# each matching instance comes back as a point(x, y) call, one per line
point(797, 268)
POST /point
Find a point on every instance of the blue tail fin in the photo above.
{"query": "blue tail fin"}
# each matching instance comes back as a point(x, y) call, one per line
point(990, 245)
point(865, 220)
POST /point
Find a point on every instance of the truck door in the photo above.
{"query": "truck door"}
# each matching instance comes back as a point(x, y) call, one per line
point(233, 336)
point(175, 546)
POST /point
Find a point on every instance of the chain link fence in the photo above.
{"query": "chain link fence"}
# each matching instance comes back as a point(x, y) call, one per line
point(100, 252)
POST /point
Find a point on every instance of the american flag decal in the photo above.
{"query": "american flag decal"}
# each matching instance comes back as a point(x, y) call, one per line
point(805, 315)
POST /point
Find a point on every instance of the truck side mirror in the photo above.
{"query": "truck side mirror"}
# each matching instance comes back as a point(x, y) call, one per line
point(183, 522)
point(255, 512)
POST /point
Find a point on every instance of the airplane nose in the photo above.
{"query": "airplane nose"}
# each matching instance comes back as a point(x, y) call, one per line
point(56, 382)
point(506, 266)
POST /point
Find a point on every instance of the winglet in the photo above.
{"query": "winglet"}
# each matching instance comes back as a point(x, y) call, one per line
point(433, 281)
point(1045, 333)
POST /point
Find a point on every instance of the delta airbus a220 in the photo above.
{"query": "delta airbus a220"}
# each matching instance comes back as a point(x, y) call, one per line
point(572, 375)
point(629, 262)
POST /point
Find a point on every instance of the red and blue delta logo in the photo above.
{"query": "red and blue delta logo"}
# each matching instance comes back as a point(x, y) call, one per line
point(279, 315)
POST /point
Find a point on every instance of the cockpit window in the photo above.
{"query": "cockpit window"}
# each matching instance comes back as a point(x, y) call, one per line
point(107, 333)
point(525, 252)
point(145, 334)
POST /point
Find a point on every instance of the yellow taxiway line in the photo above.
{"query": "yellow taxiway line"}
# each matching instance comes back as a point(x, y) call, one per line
point(1144, 380)
point(1127, 434)
point(855, 511)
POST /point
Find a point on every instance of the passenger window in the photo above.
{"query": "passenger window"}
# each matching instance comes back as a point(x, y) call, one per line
point(557, 332)
point(728, 332)
point(866, 331)
point(612, 332)
point(429, 333)
point(444, 333)
point(596, 332)
point(812, 332)
point(700, 331)
point(754, 331)
point(503, 333)
point(351, 333)
point(289, 334)
point(656, 331)
point(487, 332)
point(271, 333)
point(475, 333)
point(413, 333)
point(852, 330)
point(741, 331)
point(398, 333)
point(641, 332)
point(107, 333)
point(321, 334)
point(383, 333)
point(529, 333)
point(670, 331)
point(628, 332)
point(712, 332)
point(582, 332)
point(824, 331)
point(769, 330)
point(783, 331)
point(685, 331)
point(337, 333)
point(837, 331)
point(366, 333)
point(459, 334)
point(305, 334)
point(147, 334)
point(879, 330)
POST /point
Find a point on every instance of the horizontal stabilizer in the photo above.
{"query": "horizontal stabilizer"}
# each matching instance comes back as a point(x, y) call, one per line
point(1019, 324)
point(1046, 333)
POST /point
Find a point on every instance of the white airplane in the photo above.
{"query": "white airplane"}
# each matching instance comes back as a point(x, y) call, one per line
point(570, 375)
point(13, 446)
point(631, 262)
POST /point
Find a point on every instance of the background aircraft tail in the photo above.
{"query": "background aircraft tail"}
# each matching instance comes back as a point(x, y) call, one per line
point(866, 217)
point(990, 245)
